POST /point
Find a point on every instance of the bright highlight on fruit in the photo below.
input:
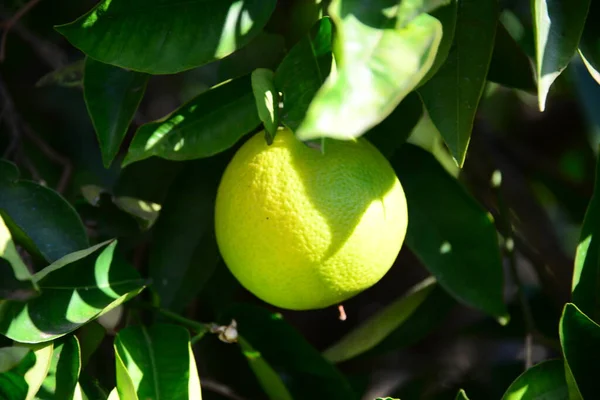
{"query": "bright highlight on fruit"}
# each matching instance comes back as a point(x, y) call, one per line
point(304, 229)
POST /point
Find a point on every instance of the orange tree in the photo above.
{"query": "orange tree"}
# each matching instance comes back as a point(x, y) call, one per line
point(409, 209)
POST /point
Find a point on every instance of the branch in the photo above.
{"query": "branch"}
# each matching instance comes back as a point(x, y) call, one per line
point(52, 55)
point(7, 25)
point(219, 388)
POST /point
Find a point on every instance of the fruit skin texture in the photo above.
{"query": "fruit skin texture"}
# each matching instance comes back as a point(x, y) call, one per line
point(303, 229)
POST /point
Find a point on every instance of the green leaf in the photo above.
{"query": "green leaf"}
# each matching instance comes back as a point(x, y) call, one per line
point(586, 273)
point(112, 96)
point(380, 60)
point(375, 329)
point(267, 100)
point(156, 362)
point(209, 124)
point(447, 17)
point(289, 354)
point(269, 379)
point(90, 337)
point(15, 362)
point(452, 96)
point(37, 373)
point(393, 131)
point(461, 395)
point(510, 66)
point(63, 373)
point(558, 25)
point(69, 76)
point(580, 341)
point(545, 380)
point(185, 252)
point(114, 395)
point(303, 71)
point(162, 37)
point(74, 290)
point(39, 218)
point(465, 261)
point(589, 45)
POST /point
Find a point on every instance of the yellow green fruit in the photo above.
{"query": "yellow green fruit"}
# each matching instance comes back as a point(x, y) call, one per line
point(304, 229)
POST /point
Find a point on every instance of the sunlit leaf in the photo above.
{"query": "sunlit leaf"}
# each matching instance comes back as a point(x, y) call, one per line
point(39, 218)
point(586, 274)
point(209, 124)
point(74, 290)
point(375, 329)
point(267, 100)
point(381, 59)
point(15, 362)
point(289, 354)
point(461, 395)
point(15, 278)
point(465, 261)
point(558, 25)
point(303, 71)
point(580, 341)
point(37, 373)
point(589, 45)
point(545, 380)
point(452, 96)
point(63, 372)
point(112, 96)
point(156, 362)
point(159, 37)
point(269, 379)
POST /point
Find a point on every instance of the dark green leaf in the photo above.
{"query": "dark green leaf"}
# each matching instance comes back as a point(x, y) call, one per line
point(303, 71)
point(38, 217)
point(209, 124)
point(375, 329)
point(90, 336)
point(545, 380)
point(185, 252)
point(162, 37)
point(586, 274)
point(393, 131)
point(267, 100)
point(589, 45)
point(269, 379)
point(465, 261)
point(580, 341)
point(558, 25)
point(63, 374)
point(15, 362)
point(461, 395)
point(380, 61)
point(156, 362)
point(447, 16)
point(452, 96)
point(112, 96)
point(288, 353)
point(74, 290)
point(510, 66)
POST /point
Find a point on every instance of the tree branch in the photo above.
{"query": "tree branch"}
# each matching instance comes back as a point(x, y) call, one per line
point(7, 25)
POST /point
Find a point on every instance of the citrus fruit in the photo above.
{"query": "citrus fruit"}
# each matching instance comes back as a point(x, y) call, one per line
point(302, 228)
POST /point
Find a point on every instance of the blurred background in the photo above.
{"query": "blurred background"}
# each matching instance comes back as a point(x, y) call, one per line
point(546, 160)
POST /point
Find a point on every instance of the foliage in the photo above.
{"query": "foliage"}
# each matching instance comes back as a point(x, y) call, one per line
point(118, 119)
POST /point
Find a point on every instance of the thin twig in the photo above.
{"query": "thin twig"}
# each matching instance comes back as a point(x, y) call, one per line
point(220, 388)
point(509, 248)
point(7, 25)
point(12, 120)
point(52, 155)
point(196, 326)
